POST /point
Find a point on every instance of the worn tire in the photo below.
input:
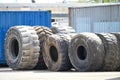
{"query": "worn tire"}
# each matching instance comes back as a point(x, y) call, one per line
point(56, 54)
point(42, 32)
point(21, 47)
point(92, 52)
point(117, 34)
point(62, 29)
point(112, 56)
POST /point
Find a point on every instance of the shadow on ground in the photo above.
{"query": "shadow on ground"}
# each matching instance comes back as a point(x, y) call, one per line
point(118, 78)
point(7, 69)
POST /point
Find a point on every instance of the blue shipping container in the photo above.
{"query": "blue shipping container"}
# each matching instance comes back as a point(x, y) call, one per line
point(13, 18)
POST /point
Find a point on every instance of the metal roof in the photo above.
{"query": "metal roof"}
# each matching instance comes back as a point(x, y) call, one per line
point(52, 5)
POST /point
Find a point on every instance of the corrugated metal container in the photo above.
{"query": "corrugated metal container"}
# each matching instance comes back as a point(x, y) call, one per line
point(97, 18)
point(13, 18)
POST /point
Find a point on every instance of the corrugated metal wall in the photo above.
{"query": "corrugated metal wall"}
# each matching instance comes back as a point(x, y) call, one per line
point(13, 18)
point(105, 18)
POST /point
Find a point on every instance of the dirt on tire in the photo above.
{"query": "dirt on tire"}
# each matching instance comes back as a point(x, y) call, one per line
point(56, 54)
point(86, 52)
point(112, 56)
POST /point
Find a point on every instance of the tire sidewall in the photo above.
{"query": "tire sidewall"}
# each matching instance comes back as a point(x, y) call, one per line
point(77, 62)
point(52, 65)
point(12, 61)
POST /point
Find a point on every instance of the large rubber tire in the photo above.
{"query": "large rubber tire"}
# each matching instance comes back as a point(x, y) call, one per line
point(112, 56)
point(62, 29)
point(42, 32)
point(56, 54)
point(22, 47)
point(86, 52)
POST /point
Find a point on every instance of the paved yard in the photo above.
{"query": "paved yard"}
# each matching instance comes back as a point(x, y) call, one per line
point(8, 74)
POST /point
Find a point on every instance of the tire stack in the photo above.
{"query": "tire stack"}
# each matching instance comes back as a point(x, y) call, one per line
point(62, 29)
point(97, 52)
point(24, 47)
point(60, 49)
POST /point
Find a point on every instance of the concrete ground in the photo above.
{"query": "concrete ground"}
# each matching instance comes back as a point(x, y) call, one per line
point(9, 74)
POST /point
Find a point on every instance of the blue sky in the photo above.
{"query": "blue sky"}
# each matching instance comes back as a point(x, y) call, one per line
point(29, 1)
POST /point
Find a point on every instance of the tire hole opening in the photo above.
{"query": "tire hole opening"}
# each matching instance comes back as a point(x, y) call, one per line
point(53, 53)
point(14, 48)
point(81, 53)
